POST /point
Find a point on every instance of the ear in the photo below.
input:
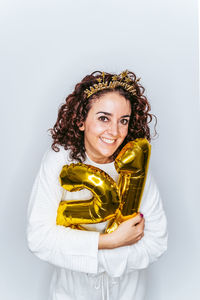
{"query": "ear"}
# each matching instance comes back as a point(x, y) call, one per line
point(81, 127)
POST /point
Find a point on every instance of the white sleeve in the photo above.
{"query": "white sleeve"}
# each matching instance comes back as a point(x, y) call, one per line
point(122, 260)
point(64, 247)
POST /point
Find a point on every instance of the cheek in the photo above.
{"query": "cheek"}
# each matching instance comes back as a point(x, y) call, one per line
point(95, 128)
point(124, 131)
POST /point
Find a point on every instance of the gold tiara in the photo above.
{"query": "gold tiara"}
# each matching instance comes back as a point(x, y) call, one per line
point(117, 80)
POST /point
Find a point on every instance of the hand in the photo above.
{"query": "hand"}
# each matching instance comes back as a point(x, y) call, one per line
point(129, 232)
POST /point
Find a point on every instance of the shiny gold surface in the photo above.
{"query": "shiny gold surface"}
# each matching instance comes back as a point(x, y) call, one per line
point(111, 201)
point(132, 165)
point(100, 208)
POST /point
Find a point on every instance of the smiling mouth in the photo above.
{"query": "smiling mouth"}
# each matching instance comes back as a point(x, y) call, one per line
point(108, 141)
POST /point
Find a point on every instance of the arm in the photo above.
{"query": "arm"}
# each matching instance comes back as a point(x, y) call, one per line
point(146, 250)
point(64, 247)
point(127, 233)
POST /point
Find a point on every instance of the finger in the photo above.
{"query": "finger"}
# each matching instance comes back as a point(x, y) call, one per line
point(143, 223)
point(140, 236)
point(137, 219)
point(140, 225)
point(130, 221)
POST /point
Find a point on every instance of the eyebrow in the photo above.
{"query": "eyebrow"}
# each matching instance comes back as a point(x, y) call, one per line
point(109, 114)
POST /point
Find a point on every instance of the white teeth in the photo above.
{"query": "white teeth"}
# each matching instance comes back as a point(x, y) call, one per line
point(108, 140)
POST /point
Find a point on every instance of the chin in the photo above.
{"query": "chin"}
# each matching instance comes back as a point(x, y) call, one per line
point(108, 155)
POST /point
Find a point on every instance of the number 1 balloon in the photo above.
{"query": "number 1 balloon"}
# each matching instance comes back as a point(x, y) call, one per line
point(132, 165)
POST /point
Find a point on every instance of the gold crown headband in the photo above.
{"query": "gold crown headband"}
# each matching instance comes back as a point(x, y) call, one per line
point(117, 80)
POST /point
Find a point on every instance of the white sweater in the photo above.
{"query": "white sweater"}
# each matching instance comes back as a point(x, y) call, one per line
point(81, 270)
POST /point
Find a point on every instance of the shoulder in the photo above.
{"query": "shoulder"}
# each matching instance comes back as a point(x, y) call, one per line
point(52, 159)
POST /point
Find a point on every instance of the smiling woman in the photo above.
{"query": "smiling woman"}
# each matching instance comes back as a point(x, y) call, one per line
point(106, 126)
point(73, 113)
point(104, 112)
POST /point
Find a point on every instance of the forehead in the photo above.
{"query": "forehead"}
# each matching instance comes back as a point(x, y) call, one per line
point(112, 103)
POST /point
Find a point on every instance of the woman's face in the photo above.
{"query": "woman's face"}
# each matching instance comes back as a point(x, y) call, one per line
point(106, 126)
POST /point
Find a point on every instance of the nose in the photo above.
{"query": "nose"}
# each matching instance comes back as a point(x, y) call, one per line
point(113, 129)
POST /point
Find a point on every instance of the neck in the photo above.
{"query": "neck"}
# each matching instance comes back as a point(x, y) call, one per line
point(97, 160)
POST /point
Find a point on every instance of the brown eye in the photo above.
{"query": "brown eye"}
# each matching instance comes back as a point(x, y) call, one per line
point(124, 121)
point(103, 118)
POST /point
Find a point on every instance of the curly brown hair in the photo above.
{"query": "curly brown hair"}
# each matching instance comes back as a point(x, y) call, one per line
point(73, 113)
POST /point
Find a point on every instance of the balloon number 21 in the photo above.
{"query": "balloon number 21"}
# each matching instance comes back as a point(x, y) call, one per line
point(111, 201)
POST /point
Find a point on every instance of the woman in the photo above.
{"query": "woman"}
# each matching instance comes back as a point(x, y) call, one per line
point(104, 112)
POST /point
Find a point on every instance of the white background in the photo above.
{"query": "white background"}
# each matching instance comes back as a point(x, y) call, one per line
point(47, 47)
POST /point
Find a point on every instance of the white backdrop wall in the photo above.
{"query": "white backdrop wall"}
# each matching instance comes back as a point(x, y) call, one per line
point(47, 47)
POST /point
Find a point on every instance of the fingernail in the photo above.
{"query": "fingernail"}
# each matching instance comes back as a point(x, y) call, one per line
point(141, 215)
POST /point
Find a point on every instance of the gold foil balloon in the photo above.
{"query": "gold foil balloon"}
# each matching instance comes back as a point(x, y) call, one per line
point(132, 165)
point(111, 201)
point(101, 207)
